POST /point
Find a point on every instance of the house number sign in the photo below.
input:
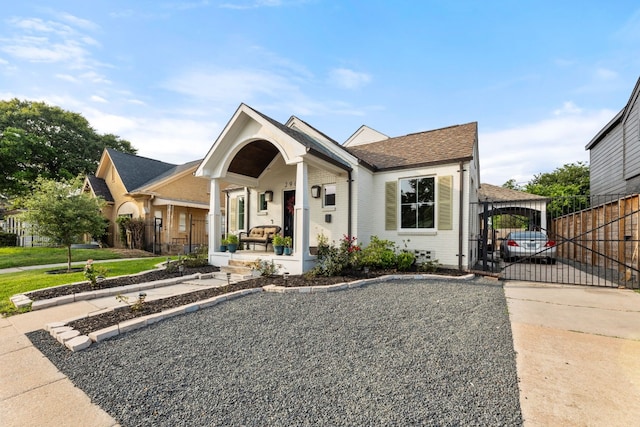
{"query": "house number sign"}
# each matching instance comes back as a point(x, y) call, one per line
point(289, 184)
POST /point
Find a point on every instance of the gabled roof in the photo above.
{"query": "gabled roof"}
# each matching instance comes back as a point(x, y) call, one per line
point(312, 145)
point(446, 145)
point(135, 171)
point(617, 119)
point(100, 188)
point(174, 171)
point(493, 193)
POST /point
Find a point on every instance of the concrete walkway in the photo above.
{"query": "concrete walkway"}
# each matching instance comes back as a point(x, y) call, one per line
point(32, 391)
point(578, 354)
point(578, 360)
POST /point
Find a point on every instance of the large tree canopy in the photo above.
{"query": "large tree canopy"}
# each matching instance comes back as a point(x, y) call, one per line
point(39, 140)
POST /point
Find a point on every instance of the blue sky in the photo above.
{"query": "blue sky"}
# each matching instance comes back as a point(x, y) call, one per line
point(539, 77)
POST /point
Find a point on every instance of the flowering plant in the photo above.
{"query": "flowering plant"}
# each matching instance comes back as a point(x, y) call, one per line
point(93, 272)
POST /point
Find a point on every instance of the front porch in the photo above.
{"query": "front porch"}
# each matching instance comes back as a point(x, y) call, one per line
point(268, 171)
point(287, 263)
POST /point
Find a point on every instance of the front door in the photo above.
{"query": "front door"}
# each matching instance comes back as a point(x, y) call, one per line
point(288, 211)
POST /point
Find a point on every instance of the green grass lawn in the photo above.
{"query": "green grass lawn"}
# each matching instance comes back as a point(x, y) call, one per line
point(20, 257)
point(17, 283)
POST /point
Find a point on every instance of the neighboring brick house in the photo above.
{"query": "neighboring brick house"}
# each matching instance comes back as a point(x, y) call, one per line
point(172, 201)
point(614, 152)
point(418, 190)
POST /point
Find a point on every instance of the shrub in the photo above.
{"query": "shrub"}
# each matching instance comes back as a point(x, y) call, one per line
point(332, 260)
point(329, 262)
point(429, 266)
point(266, 268)
point(405, 260)
point(379, 254)
point(232, 239)
point(93, 272)
point(8, 239)
point(197, 258)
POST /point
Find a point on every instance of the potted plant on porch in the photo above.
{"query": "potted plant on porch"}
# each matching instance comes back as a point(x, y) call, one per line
point(278, 244)
point(288, 242)
point(223, 244)
point(232, 243)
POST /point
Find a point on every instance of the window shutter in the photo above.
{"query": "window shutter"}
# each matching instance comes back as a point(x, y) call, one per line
point(390, 205)
point(233, 213)
point(445, 203)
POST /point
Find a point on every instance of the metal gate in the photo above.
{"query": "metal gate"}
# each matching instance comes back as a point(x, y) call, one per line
point(589, 240)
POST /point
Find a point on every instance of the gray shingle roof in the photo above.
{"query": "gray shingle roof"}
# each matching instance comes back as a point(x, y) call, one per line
point(170, 172)
point(100, 188)
point(136, 171)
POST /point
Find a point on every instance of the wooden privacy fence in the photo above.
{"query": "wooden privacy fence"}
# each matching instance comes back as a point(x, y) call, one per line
point(603, 237)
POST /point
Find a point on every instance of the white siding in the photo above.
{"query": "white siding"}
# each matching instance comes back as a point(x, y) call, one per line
point(338, 224)
point(443, 242)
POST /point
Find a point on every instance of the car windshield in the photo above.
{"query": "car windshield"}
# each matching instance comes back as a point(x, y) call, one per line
point(528, 235)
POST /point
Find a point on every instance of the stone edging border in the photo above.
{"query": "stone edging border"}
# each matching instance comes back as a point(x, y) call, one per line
point(22, 300)
point(72, 339)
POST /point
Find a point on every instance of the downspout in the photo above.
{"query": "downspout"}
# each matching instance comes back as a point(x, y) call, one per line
point(247, 209)
point(461, 217)
point(226, 213)
point(349, 196)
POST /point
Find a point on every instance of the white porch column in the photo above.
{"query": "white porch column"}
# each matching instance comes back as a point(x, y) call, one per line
point(215, 216)
point(301, 218)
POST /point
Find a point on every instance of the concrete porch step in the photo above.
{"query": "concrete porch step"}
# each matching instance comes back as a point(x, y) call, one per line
point(237, 270)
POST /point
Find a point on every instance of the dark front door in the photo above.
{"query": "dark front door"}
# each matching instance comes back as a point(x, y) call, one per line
point(288, 211)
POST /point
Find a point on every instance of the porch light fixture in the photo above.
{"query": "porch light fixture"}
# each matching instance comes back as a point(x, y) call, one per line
point(315, 191)
point(268, 196)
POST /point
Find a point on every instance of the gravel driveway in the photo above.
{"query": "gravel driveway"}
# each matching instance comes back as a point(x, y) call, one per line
point(396, 353)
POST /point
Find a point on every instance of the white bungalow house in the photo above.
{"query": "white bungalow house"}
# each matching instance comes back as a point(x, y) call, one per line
point(418, 190)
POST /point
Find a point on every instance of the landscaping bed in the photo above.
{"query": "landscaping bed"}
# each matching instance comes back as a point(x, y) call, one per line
point(100, 321)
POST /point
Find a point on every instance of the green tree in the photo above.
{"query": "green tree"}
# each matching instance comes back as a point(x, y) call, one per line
point(567, 186)
point(63, 213)
point(38, 140)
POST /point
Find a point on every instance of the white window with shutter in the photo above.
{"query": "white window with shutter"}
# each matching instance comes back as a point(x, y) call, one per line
point(422, 203)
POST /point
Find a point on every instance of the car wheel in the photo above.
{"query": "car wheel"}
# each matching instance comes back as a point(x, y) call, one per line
point(551, 261)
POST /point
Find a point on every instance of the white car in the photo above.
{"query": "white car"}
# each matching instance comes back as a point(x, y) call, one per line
point(529, 245)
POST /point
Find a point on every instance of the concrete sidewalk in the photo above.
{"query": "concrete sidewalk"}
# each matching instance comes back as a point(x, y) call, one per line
point(74, 264)
point(32, 391)
point(578, 354)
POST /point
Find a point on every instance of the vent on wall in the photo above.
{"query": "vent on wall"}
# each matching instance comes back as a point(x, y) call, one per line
point(424, 255)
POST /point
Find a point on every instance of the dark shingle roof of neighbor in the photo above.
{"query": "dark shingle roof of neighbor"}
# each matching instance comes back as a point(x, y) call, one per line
point(100, 188)
point(493, 193)
point(135, 170)
point(454, 143)
point(173, 171)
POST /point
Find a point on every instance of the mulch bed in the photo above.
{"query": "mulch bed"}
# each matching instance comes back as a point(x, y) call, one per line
point(97, 322)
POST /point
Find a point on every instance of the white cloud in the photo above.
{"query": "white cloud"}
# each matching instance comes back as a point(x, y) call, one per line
point(349, 79)
point(523, 151)
point(77, 22)
point(37, 40)
point(66, 77)
point(606, 74)
point(568, 108)
point(99, 99)
point(630, 31)
point(231, 85)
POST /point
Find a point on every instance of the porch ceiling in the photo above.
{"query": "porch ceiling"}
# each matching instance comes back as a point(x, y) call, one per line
point(253, 158)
